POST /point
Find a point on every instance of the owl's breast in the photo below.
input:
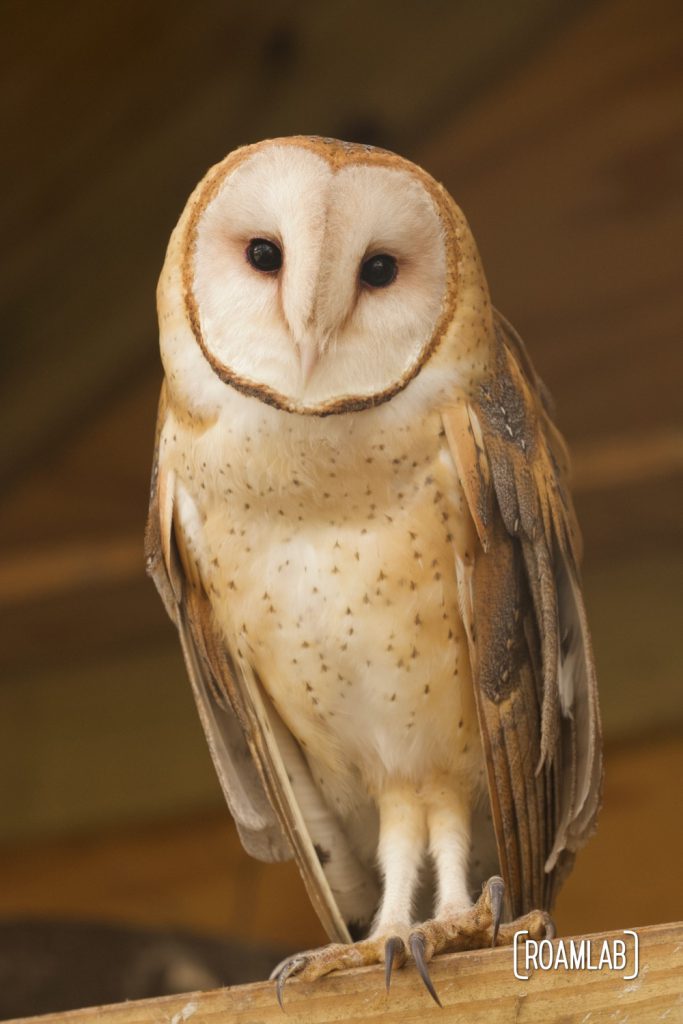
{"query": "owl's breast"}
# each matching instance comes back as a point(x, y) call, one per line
point(346, 602)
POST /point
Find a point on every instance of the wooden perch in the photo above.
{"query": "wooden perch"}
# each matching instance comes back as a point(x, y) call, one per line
point(475, 988)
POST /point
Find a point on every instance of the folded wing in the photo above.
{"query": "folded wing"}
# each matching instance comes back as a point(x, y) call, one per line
point(278, 810)
point(521, 601)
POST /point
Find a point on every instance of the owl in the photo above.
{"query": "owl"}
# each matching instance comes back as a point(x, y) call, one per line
point(360, 526)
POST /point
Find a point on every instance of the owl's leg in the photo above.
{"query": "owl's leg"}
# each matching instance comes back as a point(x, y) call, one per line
point(458, 924)
point(402, 841)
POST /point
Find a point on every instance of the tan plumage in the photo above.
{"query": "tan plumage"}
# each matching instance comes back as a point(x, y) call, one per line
point(361, 527)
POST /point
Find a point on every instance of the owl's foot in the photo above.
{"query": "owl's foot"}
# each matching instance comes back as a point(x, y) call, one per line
point(475, 928)
point(389, 950)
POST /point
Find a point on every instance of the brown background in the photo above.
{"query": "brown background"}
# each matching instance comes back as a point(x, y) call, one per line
point(556, 126)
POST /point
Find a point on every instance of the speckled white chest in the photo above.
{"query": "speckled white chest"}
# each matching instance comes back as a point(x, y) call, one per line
point(330, 561)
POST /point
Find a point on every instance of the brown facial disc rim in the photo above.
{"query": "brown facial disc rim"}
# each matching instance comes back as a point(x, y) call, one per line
point(337, 154)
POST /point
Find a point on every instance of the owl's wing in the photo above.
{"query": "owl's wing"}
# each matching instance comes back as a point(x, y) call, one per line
point(530, 649)
point(266, 781)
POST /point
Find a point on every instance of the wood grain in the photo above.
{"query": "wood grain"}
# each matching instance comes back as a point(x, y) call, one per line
point(477, 988)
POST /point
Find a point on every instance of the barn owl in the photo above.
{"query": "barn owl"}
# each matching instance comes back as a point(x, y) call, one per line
point(360, 525)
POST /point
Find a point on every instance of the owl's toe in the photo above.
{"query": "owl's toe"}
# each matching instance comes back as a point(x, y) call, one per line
point(537, 924)
point(316, 963)
point(480, 926)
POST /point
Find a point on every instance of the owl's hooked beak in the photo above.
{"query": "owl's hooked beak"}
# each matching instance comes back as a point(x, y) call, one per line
point(309, 354)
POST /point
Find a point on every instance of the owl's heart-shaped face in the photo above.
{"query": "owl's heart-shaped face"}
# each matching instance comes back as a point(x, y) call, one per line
point(316, 280)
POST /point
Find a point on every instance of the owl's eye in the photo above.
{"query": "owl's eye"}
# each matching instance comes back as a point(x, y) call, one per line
point(264, 255)
point(379, 271)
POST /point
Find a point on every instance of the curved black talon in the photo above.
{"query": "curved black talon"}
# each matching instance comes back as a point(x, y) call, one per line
point(290, 967)
point(496, 893)
point(417, 948)
point(392, 946)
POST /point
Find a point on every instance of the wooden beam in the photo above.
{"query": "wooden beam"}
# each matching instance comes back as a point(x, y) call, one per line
point(605, 464)
point(51, 570)
point(477, 987)
point(36, 571)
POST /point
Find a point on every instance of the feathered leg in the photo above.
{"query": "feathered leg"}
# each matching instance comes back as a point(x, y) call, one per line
point(458, 924)
point(402, 842)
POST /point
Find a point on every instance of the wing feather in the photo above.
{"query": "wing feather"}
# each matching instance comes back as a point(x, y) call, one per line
point(523, 610)
point(265, 778)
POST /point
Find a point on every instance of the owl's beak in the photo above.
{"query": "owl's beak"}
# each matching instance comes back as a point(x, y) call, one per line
point(308, 353)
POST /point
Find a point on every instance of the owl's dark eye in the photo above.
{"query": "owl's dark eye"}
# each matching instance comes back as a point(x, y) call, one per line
point(264, 255)
point(379, 271)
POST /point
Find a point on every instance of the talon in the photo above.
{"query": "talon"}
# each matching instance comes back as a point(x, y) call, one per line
point(550, 930)
point(290, 967)
point(496, 887)
point(417, 948)
point(391, 948)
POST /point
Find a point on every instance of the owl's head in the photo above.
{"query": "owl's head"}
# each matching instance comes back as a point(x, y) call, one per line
point(319, 276)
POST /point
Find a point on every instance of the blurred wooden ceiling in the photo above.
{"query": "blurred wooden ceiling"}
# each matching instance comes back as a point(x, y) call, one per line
point(115, 111)
point(556, 126)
